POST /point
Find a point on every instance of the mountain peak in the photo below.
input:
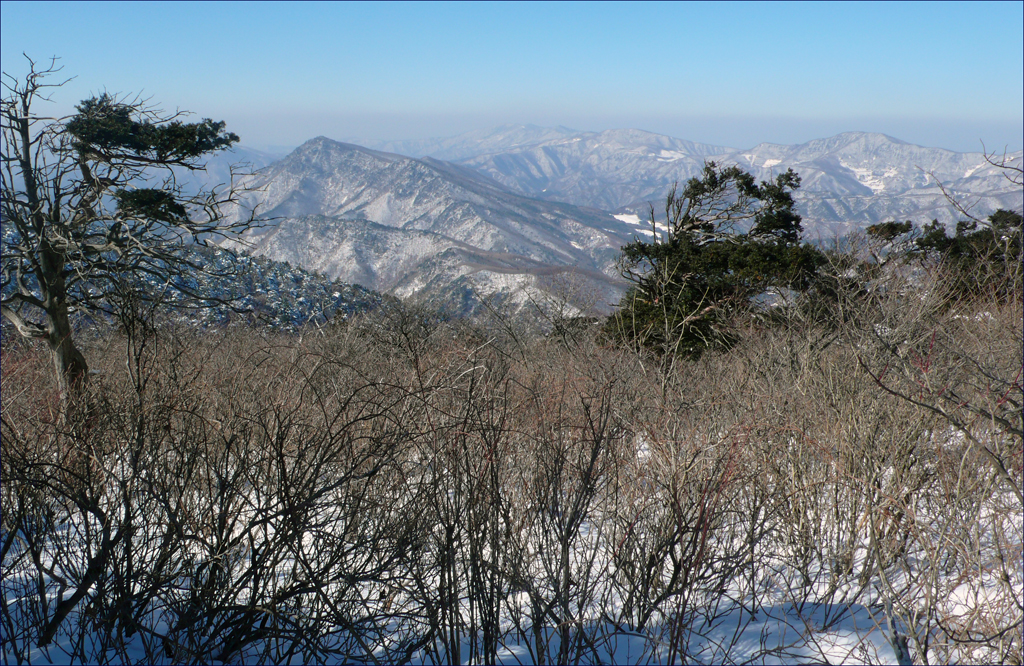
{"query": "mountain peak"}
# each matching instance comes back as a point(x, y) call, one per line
point(316, 141)
point(876, 136)
point(322, 145)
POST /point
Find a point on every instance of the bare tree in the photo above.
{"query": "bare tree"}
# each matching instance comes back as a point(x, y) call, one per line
point(90, 202)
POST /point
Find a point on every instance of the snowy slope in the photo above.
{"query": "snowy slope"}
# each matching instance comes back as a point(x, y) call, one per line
point(382, 220)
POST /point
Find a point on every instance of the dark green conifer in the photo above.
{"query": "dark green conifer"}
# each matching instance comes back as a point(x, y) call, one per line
point(726, 240)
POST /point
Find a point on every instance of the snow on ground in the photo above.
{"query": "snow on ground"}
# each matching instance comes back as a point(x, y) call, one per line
point(671, 155)
point(783, 603)
point(786, 622)
point(785, 632)
point(871, 178)
point(632, 218)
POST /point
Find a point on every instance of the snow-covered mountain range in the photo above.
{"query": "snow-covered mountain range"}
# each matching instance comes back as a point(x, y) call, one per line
point(850, 180)
point(430, 229)
point(607, 170)
point(519, 209)
point(855, 179)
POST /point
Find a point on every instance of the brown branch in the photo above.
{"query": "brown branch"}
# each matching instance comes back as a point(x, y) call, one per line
point(953, 421)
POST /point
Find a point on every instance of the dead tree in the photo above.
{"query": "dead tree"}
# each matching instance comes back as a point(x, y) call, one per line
point(91, 206)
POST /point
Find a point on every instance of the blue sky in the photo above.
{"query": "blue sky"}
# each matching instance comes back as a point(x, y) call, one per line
point(936, 74)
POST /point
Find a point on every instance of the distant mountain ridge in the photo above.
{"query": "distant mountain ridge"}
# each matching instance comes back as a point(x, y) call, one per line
point(855, 179)
point(471, 144)
point(850, 180)
point(607, 170)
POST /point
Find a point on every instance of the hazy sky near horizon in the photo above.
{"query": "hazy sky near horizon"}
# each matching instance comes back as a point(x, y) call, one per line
point(937, 74)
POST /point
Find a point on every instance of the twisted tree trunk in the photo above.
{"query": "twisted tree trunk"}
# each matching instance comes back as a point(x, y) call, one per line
point(68, 362)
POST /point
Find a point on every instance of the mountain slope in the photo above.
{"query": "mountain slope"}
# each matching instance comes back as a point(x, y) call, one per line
point(238, 288)
point(393, 222)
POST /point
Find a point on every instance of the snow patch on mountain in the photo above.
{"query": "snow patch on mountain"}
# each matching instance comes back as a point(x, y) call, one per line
point(871, 177)
point(671, 155)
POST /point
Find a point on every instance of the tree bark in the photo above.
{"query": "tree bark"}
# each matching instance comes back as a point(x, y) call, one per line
point(69, 363)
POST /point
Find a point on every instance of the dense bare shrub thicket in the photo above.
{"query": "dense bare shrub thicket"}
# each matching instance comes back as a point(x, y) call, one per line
point(397, 489)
